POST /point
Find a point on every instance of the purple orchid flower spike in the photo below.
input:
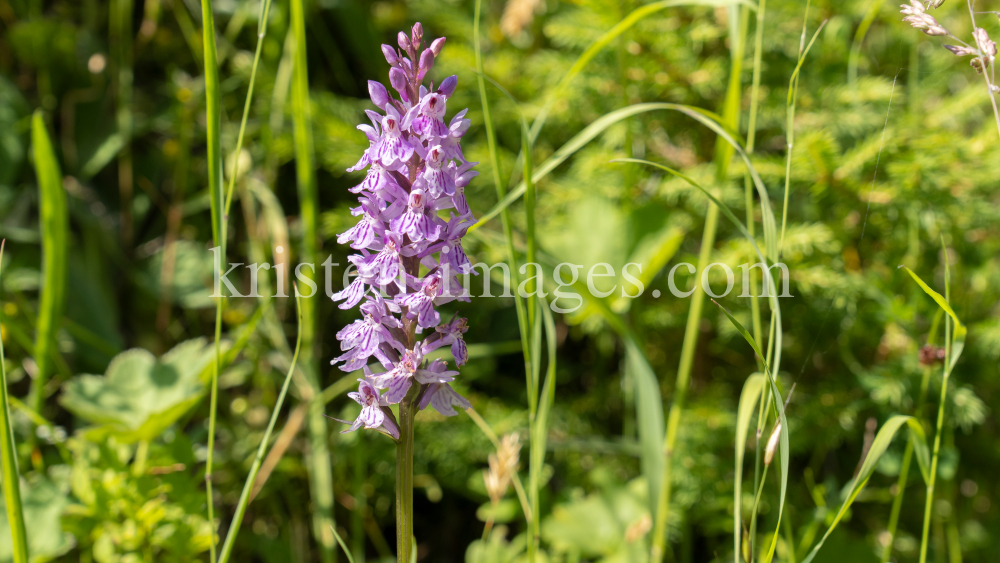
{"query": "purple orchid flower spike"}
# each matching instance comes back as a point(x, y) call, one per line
point(415, 173)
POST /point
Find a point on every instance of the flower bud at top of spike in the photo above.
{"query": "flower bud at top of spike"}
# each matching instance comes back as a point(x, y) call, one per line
point(437, 45)
point(390, 55)
point(447, 87)
point(378, 93)
point(426, 60)
point(403, 41)
point(772, 445)
point(417, 34)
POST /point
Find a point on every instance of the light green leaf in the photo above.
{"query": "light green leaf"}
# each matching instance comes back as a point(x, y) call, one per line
point(139, 396)
point(958, 338)
point(878, 448)
point(44, 503)
point(54, 225)
point(748, 401)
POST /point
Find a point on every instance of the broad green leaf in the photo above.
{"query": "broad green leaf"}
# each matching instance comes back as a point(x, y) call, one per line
point(649, 415)
point(44, 503)
point(960, 332)
point(54, 225)
point(752, 389)
point(139, 396)
point(878, 448)
point(595, 526)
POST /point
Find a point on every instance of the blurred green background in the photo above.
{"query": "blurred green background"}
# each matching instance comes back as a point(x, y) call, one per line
point(122, 91)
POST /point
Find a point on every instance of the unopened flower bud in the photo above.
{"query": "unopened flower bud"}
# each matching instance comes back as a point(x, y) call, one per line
point(994, 88)
point(403, 41)
point(986, 45)
point(977, 63)
point(772, 445)
point(447, 87)
point(959, 50)
point(390, 55)
point(397, 78)
point(936, 3)
point(426, 60)
point(378, 93)
point(417, 34)
point(437, 45)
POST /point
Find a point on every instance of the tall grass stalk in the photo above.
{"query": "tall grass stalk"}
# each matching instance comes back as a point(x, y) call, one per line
point(214, 156)
point(241, 506)
point(11, 476)
point(265, 11)
point(318, 460)
point(723, 154)
point(932, 476)
point(525, 314)
point(793, 87)
point(751, 145)
point(904, 471)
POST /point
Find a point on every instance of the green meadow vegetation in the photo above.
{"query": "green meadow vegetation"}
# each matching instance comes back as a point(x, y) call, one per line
point(146, 143)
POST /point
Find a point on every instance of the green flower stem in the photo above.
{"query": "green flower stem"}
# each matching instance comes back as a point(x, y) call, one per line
point(8, 455)
point(404, 478)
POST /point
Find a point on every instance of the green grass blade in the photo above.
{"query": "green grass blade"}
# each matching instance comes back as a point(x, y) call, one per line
point(604, 40)
point(859, 38)
point(343, 546)
point(54, 222)
point(779, 407)
point(793, 86)
point(11, 476)
point(213, 112)
point(960, 331)
point(539, 430)
point(319, 461)
point(878, 448)
point(752, 389)
point(649, 398)
point(649, 416)
point(244, 501)
point(707, 118)
point(532, 360)
point(265, 11)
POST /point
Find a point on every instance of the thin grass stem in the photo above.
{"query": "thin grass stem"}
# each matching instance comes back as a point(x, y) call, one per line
point(214, 156)
point(723, 154)
point(241, 506)
point(11, 475)
point(319, 463)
